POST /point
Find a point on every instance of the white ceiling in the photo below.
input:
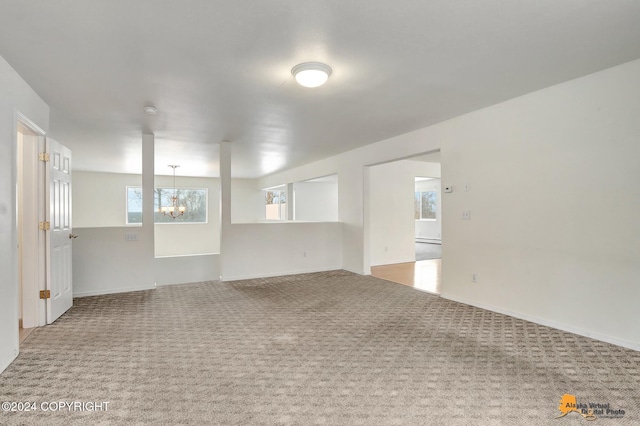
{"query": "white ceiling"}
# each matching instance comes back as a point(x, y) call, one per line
point(221, 70)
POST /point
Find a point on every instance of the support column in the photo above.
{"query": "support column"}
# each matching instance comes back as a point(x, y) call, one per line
point(290, 209)
point(148, 213)
point(366, 222)
point(225, 201)
point(148, 179)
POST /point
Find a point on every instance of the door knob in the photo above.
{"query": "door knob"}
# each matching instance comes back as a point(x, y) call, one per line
point(73, 236)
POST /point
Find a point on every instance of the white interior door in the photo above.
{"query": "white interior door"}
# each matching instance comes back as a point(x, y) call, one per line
point(60, 234)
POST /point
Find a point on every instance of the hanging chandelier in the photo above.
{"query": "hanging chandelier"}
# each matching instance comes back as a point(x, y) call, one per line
point(174, 210)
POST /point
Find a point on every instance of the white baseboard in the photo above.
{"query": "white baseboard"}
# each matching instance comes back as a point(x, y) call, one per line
point(112, 291)
point(277, 274)
point(187, 282)
point(549, 323)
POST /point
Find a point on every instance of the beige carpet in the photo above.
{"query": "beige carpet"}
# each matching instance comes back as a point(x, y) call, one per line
point(329, 348)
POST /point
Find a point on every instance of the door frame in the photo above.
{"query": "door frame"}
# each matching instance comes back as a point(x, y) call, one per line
point(32, 306)
point(366, 203)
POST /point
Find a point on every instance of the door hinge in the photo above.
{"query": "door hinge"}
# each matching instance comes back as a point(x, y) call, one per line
point(43, 156)
point(45, 294)
point(44, 226)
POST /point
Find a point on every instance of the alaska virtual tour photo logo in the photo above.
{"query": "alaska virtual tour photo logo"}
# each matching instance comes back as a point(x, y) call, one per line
point(589, 410)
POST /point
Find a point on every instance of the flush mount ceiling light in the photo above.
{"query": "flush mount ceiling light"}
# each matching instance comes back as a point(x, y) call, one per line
point(311, 74)
point(150, 110)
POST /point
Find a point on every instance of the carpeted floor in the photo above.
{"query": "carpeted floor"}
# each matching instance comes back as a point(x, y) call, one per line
point(427, 251)
point(330, 348)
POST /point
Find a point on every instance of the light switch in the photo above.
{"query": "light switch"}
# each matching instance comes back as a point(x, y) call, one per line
point(466, 214)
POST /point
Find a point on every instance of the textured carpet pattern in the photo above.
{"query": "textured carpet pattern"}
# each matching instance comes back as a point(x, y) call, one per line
point(329, 348)
point(428, 251)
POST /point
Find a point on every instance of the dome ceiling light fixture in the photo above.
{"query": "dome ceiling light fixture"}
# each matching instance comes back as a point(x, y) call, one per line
point(311, 74)
point(150, 110)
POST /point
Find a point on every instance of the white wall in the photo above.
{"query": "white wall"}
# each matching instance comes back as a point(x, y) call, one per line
point(534, 165)
point(554, 200)
point(187, 269)
point(276, 248)
point(316, 201)
point(104, 262)
point(99, 200)
point(247, 201)
point(15, 95)
point(391, 209)
point(350, 199)
point(269, 249)
point(430, 229)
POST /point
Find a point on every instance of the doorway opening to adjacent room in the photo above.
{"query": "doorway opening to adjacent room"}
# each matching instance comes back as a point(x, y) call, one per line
point(30, 260)
point(43, 227)
point(404, 221)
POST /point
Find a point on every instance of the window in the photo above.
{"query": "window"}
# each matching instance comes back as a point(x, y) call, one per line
point(134, 205)
point(425, 205)
point(194, 199)
point(275, 203)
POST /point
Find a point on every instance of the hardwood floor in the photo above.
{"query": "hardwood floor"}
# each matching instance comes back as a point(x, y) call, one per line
point(24, 333)
point(422, 275)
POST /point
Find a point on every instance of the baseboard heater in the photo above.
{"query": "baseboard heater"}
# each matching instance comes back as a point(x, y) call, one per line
point(428, 240)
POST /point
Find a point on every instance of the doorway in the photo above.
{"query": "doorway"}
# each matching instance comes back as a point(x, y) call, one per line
point(28, 215)
point(404, 221)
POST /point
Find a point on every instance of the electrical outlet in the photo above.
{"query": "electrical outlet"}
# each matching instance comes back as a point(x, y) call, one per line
point(474, 277)
point(467, 187)
point(466, 214)
point(304, 254)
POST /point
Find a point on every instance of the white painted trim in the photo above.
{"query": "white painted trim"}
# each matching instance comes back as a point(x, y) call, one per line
point(112, 291)
point(549, 323)
point(278, 274)
point(20, 118)
point(187, 255)
point(30, 124)
point(30, 251)
point(188, 282)
point(404, 157)
point(43, 267)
